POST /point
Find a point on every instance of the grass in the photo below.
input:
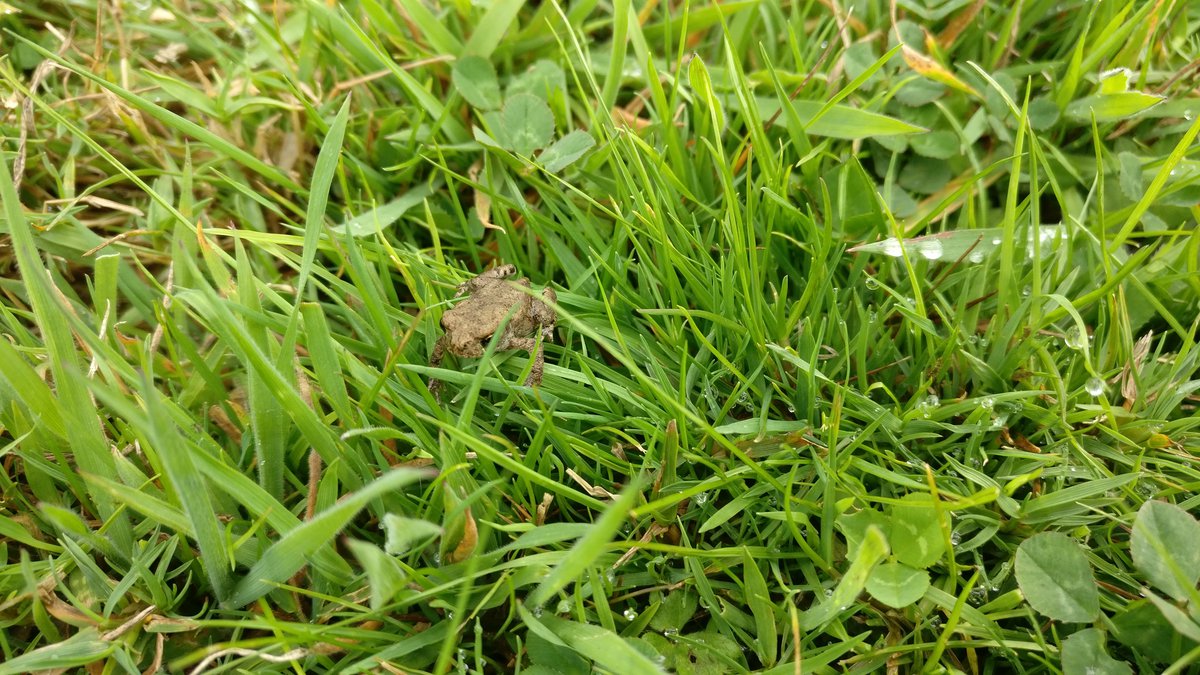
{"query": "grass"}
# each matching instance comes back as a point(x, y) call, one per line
point(876, 337)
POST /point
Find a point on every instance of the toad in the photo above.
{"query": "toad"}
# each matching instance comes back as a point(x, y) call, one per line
point(470, 324)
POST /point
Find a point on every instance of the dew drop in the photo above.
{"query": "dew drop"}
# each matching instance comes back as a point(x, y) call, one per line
point(700, 499)
point(872, 283)
point(630, 615)
point(976, 256)
point(931, 250)
point(1048, 234)
point(1027, 291)
point(1094, 387)
point(892, 247)
point(1074, 339)
point(928, 404)
point(988, 403)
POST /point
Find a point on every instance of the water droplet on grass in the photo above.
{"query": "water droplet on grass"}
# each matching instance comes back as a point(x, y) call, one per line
point(976, 256)
point(630, 615)
point(931, 250)
point(1094, 387)
point(1074, 339)
point(928, 404)
point(892, 247)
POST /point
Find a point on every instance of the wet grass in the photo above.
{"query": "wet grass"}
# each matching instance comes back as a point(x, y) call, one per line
point(233, 232)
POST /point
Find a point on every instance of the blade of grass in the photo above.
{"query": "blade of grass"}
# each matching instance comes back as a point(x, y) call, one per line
point(585, 551)
point(290, 553)
point(90, 449)
point(184, 126)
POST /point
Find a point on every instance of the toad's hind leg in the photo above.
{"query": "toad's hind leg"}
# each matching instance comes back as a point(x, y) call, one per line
point(435, 359)
point(543, 313)
point(539, 358)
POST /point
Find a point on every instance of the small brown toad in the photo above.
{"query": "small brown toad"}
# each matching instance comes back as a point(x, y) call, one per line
point(470, 325)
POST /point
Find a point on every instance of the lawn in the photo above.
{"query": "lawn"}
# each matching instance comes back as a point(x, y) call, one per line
point(869, 334)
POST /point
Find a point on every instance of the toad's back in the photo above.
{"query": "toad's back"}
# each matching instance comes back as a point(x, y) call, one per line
point(481, 313)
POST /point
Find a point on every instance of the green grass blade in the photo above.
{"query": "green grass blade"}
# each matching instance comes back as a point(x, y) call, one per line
point(81, 649)
point(318, 193)
point(290, 553)
point(87, 441)
point(585, 551)
point(170, 119)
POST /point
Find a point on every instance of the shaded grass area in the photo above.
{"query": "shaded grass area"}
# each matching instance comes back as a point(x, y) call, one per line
point(234, 230)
